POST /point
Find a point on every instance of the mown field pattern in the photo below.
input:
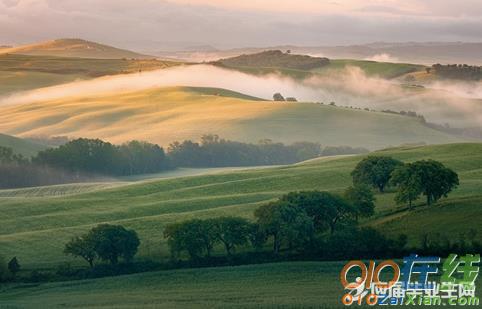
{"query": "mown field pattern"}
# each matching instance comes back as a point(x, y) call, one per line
point(36, 228)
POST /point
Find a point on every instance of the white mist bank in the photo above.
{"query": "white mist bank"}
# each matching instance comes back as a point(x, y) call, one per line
point(458, 104)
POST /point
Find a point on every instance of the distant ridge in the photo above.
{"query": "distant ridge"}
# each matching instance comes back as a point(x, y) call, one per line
point(73, 48)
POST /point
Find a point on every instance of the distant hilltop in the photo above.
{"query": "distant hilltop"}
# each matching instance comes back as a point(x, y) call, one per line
point(275, 59)
point(73, 48)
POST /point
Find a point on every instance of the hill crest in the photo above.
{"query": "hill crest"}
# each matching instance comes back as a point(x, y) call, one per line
point(73, 48)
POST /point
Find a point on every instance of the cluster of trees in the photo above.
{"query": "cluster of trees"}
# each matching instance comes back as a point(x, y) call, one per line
point(105, 242)
point(99, 157)
point(87, 159)
point(298, 223)
point(425, 177)
point(278, 97)
point(458, 71)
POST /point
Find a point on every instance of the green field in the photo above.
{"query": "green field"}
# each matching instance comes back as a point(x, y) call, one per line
point(164, 115)
point(27, 72)
point(370, 68)
point(36, 228)
point(20, 146)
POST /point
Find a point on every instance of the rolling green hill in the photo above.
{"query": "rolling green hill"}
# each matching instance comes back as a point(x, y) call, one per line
point(27, 72)
point(35, 228)
point(73, 48)
point(298, 66)
point(20, 146)
point(163, 115)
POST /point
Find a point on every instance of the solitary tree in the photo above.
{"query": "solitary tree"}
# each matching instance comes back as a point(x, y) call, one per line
point(14, 266)
point(362, 199)
point(278, 97)
point(375, 171)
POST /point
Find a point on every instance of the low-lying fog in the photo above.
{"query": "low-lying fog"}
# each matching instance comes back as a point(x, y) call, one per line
point(459, 104)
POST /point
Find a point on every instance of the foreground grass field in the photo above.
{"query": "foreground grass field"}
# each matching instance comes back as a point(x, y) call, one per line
point(35, 229)
point(281, 285)
point(163, 115)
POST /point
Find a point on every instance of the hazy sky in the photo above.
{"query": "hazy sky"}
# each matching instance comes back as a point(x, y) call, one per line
point(159, 24)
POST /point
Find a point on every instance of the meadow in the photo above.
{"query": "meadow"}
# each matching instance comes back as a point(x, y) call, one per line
point(163, 115)
point(27, 72)
point(35, 228)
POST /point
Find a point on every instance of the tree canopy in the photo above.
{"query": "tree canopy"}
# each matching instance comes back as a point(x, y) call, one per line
point(375, 171)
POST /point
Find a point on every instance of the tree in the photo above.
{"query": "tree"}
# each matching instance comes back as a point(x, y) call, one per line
point(232, 232)
point(408, 182)
point(194, 236)
point(278, 97)
point(326, 209)
point(14, 266)
point(362, 199)
point(286, 223)
point(436, 180)
point(114, 241)
point(375, 171)
point(82, 246)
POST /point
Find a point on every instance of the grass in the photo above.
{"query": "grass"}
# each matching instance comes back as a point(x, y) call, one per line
point(27, 72)
point(36, 228)
point(370, 68)
point(20, 146)
point(307, 284)
point(163, 115)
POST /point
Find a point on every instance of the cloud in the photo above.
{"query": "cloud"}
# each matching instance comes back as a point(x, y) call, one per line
point(159, 25)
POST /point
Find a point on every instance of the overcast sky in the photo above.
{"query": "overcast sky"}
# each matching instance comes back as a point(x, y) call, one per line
point(159, 24)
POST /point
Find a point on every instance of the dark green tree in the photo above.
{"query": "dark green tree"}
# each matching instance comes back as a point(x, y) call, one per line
point(286, 223)
point(324, 208)
point(278, 97)
point(232, 232)
point(362, 199)
point(82, 246)
point(375, 171)
point(14, 266)
point(114, 241)
point(436, 180)
point(409, 187)
point(193, 236)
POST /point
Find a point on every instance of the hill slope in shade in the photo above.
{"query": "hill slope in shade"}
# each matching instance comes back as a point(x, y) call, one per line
point(20, 146)
point(163, 115)
point(73, 48)
point(36, 228)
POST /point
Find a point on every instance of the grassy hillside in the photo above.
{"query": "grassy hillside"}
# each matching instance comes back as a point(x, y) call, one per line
point(35, 228)
point(275, 59)
point(20, 146)
point(73, 48)
point(23, 72)
point(163, 115)
point(297, 66)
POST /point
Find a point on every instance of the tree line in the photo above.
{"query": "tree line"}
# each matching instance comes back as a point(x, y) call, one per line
point(298, 225)
point(458, 71)
point(84, 159)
